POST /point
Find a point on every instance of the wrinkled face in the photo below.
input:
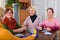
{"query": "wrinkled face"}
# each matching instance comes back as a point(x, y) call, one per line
point(49, 13)
point(9, 14)
point(32, 12)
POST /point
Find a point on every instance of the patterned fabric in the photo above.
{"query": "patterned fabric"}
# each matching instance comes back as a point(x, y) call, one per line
point(11, 24)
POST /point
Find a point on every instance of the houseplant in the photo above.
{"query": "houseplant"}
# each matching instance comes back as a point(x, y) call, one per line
point(9, 3)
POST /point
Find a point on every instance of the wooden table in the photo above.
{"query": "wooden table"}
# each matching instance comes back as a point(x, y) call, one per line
point(42, 36)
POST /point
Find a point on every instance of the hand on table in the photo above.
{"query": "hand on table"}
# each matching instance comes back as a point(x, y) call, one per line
point(48, 29)
point(40, 28)
point(18, 30)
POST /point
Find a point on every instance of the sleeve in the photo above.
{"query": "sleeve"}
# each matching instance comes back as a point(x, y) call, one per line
point(56, 27)
point(4, 22)
point(5, 26)
point(43, 23)
point(39, 23)
point(18, 26)
point(57, 22)
point(25, 22)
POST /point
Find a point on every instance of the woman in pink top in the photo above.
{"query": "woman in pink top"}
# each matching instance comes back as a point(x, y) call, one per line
point(50, 23)
point(33, 20)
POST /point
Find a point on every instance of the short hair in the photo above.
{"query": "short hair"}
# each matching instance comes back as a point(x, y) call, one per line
point(32, 7)
point(51, 9)
point(8, 10)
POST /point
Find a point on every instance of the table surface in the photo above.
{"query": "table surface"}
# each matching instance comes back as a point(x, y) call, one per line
point(42, 36)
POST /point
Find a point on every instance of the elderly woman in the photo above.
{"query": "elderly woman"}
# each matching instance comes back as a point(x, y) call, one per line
point(32, 21)
point(50, 23)
point(10, 23)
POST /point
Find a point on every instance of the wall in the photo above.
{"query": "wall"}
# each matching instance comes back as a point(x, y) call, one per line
point(42, 5)
point(2, 3)
point(58, 9)
point(39, 4)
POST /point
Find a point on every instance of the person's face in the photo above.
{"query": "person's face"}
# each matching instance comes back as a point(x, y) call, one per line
point(9, 14)
point(31, 12)
point(49, 13)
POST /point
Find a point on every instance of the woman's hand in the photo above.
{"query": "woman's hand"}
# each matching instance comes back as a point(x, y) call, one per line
point(40, 28)
point(24, 27)
point(48, 29)
point(18, 30)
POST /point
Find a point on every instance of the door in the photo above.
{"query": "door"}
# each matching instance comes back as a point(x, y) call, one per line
point(23, 10)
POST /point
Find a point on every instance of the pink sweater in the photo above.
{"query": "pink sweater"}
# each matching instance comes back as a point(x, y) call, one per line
point(52, 24)
point(29, 23)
